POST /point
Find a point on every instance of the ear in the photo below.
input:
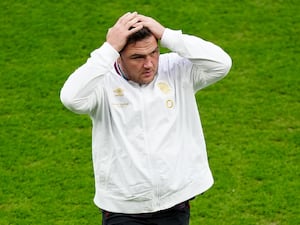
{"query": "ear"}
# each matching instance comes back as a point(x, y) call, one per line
point(119, 60)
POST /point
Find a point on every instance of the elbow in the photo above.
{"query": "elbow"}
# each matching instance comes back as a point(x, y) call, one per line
point(66, 100)
point(226, 65)
point(221, 68)
point(74, 104)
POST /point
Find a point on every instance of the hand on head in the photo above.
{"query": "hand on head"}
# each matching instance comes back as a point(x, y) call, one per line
point(128, 24)
point(156, 28)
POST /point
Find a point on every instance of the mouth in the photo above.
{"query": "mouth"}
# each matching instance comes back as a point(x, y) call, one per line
point(148, 73)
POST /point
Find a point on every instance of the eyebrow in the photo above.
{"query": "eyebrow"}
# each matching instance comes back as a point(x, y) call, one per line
point(136, 55)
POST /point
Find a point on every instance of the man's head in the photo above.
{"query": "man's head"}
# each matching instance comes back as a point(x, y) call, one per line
point(139, 57)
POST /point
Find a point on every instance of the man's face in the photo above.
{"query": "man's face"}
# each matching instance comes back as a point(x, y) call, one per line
point(139, 61)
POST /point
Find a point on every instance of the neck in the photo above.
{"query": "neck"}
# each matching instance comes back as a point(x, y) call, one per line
point(120, 71)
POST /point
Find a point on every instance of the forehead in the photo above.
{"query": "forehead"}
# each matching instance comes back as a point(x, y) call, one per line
point(143, 47)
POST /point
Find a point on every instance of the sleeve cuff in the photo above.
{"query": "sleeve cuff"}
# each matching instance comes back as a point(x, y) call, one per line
point(171, 39)
point(106, 52)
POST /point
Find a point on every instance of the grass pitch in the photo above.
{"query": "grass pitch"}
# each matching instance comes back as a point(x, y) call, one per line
point(250, 119)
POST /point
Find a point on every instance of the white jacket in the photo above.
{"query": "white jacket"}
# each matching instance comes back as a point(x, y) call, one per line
point(149, 152)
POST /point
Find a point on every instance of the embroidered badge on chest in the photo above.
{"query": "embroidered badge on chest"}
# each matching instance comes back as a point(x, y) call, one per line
point(164, 87)
point(119, 92)
point(169, 103)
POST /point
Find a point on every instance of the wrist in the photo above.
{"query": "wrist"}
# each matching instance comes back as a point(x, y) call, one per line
point(116, 46)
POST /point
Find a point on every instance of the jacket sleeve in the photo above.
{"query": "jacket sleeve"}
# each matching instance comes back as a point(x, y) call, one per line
point(78, 92)
point(208, 63)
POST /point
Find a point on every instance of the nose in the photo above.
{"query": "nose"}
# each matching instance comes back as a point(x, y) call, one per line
point(148, 62)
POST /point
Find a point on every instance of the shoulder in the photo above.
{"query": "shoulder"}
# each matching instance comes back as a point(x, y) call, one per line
point(171, 62)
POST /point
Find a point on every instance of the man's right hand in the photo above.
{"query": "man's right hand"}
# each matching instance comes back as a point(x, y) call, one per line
point(125, 26)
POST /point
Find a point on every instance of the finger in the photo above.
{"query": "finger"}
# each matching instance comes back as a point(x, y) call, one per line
point(135, 28)
point(127, 17)
point(124, 16)
point(132, 23)
point(143, 18)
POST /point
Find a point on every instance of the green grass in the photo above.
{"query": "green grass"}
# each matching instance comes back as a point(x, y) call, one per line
point(251, 118)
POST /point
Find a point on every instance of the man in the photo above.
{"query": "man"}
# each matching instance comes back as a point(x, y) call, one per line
point(149, 153)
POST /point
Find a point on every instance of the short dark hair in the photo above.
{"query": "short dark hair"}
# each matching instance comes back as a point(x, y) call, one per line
point(138, 36)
